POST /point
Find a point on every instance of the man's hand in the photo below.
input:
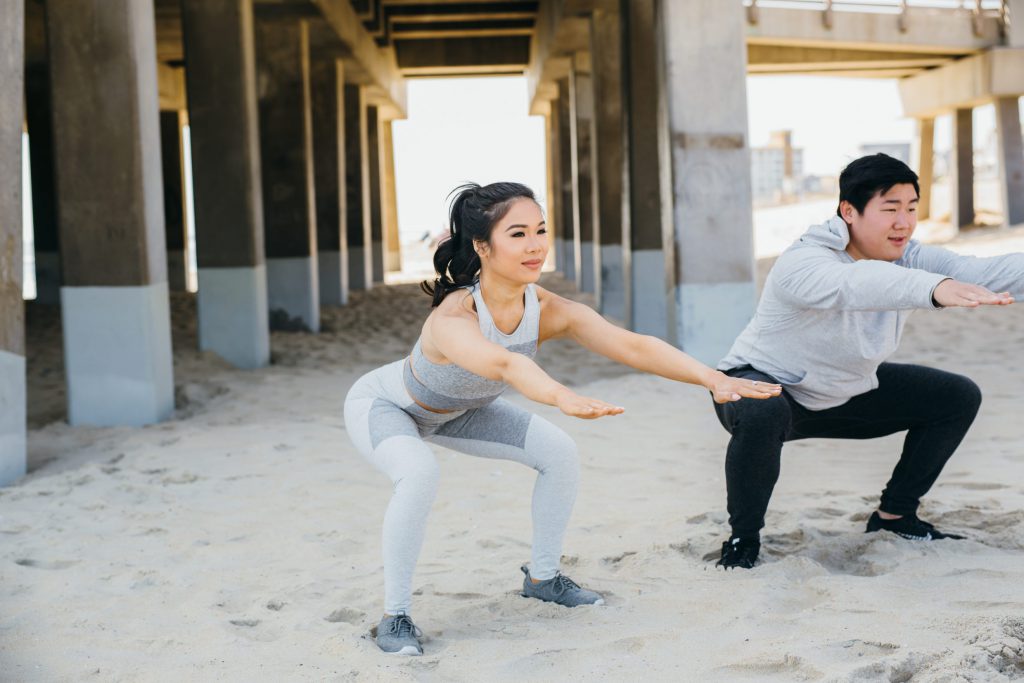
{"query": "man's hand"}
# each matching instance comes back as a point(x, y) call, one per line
point(956, 293)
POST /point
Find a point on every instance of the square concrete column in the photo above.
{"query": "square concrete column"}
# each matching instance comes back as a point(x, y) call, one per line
point(389, 199)
point(106, 131)
point(554, 188)
point(569, 251)
point(171, 153)
point(581, 89)
point(705, 52)
point(611, 202)
point(328, 84)
point(286, 162)
point(1011, 158)
point(650, 172)
point(962, 169)
point(373, 180)
point(357, 189)
point(221, 82)
point(46, 237)
point(12, 308)
point(924, 158)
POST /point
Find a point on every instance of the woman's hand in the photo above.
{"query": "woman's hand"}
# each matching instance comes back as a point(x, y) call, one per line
point(585, 408)
point(725, 388)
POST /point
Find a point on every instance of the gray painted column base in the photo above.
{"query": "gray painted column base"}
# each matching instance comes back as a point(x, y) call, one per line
point(711, 315)
point(48, 277)
point(613, 282)
point(232, 305)
point(117, 354)
point(587, 279)
point(651, 294)
point(332, 267)
point(293, 294)
point(358, 269)
point(177, 276)
point(566, 259)
point(13, 440)
point(378, 262)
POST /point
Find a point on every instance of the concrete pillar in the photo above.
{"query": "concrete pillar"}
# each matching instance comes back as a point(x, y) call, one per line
point(174, 200)
point(389, 199)
point(585, 216)
point(650, 172)
point(221, 81)
point(46, 236)
point(705, 52)
point(106, 131)
point(613, 259)
point(568, 256)
point(286, 162)
point(13, 441)
point(328, 84)
point(1011, 158)
point(554, 189)
point(360, 270)
point(962, 169)
point(924, 158)
point(373, 180)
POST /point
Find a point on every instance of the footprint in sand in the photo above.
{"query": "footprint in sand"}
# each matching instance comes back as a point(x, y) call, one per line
point(346, 615)
point(975, 486)
point(46, 564)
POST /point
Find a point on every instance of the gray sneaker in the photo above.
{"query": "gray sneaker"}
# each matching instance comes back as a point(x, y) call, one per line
point(560, 589)
point(397, 635)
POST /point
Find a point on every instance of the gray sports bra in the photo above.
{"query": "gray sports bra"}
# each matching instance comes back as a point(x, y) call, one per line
point(449, 387)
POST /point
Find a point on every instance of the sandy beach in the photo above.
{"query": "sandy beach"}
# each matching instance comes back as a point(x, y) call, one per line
point(240, 541)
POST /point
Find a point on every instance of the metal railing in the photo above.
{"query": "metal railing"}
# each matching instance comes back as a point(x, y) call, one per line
point(974, 10)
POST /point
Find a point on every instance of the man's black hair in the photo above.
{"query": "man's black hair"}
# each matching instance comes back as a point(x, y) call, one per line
point(871, 175)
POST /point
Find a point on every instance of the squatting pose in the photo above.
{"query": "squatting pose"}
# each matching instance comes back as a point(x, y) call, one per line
point(832, 312)
point(488, 322)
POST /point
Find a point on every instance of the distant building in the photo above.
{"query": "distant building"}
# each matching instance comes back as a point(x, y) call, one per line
point(777, 169)
point(897, 150)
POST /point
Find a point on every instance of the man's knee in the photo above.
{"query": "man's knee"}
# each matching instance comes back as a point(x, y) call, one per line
point(749, 416)
point(963, 394)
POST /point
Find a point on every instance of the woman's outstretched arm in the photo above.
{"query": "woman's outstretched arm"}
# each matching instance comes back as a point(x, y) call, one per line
point(562, 317)
point(457, 337)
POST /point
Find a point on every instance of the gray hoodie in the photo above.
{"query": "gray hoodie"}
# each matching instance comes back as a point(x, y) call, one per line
point(825, 321)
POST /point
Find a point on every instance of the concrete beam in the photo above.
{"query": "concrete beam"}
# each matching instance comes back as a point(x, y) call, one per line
point(966, 83)
point(440, 56)
point(116, 318)
point(611, 201)
point(360, 266)
point(286, 160)
point(711, 192)
point(932, 31)
point(232, 297)
point(13, 395)
point(1011, 159)
point(785, 59)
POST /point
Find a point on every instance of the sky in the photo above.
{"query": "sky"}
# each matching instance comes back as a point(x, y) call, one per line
point(479, 129)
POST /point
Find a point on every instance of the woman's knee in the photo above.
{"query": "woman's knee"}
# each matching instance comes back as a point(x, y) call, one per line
point(420, 475)
point(552, 448)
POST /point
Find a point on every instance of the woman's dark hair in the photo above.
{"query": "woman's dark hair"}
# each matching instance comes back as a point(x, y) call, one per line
point(871, 175)
point(472, 215)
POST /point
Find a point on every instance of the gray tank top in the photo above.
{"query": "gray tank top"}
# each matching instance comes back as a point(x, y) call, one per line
point(449, 387)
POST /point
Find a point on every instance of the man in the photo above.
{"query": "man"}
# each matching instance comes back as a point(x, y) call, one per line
point(832, 312)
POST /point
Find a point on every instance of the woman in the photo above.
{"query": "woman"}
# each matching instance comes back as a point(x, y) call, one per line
point(488, 322)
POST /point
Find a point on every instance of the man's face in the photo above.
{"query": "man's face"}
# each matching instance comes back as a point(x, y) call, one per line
point(883, 231)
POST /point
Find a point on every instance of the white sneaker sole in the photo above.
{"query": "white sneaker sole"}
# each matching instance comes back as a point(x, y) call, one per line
point(408, 651)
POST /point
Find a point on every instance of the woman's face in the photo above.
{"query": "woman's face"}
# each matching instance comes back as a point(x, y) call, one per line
point(519, 244)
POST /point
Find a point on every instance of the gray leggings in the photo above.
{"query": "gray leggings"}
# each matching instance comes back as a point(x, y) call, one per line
point(389, 429)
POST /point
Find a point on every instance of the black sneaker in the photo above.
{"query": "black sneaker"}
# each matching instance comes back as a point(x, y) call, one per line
point(739, 552)
point(909, 527)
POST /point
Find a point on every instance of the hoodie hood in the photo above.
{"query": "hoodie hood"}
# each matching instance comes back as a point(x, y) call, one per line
point(833, 233)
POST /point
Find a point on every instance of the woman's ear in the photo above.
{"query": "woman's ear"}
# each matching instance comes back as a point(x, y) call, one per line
point(481, 248)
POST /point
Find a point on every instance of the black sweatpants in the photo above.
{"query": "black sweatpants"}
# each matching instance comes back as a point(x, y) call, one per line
point(934, 407)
